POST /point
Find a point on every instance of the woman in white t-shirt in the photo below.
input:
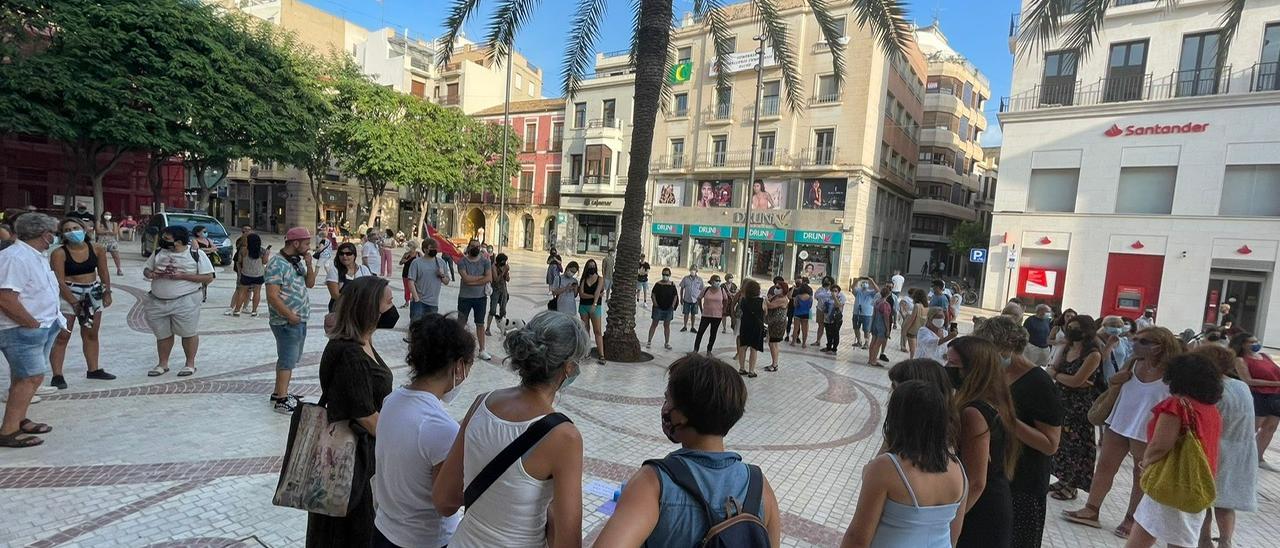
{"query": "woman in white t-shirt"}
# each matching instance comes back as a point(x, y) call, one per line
point(415, 434)
point(932, 339)
point(345, 268)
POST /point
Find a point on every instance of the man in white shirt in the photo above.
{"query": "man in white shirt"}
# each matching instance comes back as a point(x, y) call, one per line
point(371, 251)
point(899, 282)
point(172, 307)
point(1148, 319)
point(29, 323)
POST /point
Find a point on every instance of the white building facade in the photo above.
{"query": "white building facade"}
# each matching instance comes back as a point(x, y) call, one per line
point(1146, 174)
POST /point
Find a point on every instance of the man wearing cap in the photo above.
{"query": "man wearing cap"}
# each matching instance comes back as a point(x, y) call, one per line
point(288, 277)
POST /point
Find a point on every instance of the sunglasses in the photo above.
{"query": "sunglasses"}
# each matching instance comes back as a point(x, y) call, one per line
point(347, 254)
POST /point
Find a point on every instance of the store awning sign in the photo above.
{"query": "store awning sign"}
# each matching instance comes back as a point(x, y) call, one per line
point(818, 237)
point(667, 229)
point(709, 231)
point(765, 234)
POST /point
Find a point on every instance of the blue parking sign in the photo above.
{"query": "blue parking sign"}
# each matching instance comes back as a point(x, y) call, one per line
point(977, 255)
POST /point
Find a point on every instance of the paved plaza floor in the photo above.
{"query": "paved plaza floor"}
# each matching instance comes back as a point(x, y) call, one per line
point(171, 461)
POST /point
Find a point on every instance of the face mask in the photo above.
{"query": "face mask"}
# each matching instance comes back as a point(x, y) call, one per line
point(431, 253)
point(75, 236)
point(106, 217)
point(1075, 334)
point(589, 270)
point(1005, 361)
point(389, 318)
point(569, 379)
point(1046, 316)
point(473, 252)
point(1113, 330)
point(666, 277)
point(938, 322)
point(1255, 347)
point(167, 244)
point(452, 394)
point(668, 428)
point(715, 284)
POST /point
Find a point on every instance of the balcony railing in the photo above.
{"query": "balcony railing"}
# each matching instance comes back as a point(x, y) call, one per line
point(741, 158)
point(718, 112)
point(818, 156)
point(1265, 77)
point(448, 100)
point(678, 112)
point(769, 106)
point(522, 196)
point(825, 98)
point(1146, 87)
point(615, 123)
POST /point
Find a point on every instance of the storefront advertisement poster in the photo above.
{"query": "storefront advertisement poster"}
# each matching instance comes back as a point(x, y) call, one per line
point(715, 194)
point(670, 193)
point(1040, 282)
point(768, 195)
point(668, 252)
point(813, 270)
point(708, 254)
point(824, 194)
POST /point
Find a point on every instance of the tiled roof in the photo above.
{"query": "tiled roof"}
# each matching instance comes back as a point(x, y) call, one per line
point(533, 105)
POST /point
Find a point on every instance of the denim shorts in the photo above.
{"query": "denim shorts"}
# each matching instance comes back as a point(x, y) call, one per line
point(27, 349)
point(690, 308)
point(289, 342)
point(418, 309)
point(473, 305)
point(861, 323)
point(498, 303)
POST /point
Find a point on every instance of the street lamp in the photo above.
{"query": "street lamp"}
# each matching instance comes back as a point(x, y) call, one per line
point(755, 142)
point(506, 124)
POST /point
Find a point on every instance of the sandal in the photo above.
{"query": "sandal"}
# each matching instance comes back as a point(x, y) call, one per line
point(752, 375)
point(19, 440)
point(28, 426)
point(157, 371)
point(771, 368)
point(742, 372)
point(1078, 516)
point(1064, 493)
point(186, 371)
point(1124, 528)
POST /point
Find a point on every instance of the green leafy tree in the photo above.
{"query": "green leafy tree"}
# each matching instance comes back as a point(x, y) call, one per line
point(650, 55)
point(966, 236)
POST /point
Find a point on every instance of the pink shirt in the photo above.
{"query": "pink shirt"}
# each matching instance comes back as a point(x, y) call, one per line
point(713, 303)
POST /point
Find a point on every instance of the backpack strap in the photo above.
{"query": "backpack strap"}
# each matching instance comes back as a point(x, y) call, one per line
point(510, 454)
point(678, 471)
point(755, 491)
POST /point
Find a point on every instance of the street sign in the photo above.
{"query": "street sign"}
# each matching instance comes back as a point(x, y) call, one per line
point(977, 255)
point(1013, 257)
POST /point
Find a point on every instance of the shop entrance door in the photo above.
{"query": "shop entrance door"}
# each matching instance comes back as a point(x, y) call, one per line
point(767, 258)
point(1242, 290)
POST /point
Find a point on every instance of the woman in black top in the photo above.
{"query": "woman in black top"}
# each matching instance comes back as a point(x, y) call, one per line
point(751, 332)
point(1038, 405)
point(987, 446)
point(85, 289)
point(590, 297)
point(1077, 371)
point(353, 382)
point(664, 308)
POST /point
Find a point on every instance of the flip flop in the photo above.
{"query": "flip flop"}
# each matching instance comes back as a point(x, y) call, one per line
point(186, 371)
point(19, 440)
point(157, 371)
point(28, 426)
point(1121, 530)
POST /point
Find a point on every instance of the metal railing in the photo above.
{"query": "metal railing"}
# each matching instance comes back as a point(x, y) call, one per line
point(1015, 24)
point(825, 98)
point(818, 156)
point(617, 53)
point(448, 99)
point(740, 158)
point(615, 123)
point(1265, 77)
point(718, 112)
point(1179, 83)
point(677, 112)
point(769, 106)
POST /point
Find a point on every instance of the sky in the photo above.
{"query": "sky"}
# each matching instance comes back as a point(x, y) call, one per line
point(977, 29)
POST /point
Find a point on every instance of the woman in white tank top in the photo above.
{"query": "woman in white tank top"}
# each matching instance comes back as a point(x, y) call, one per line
point(546, 484)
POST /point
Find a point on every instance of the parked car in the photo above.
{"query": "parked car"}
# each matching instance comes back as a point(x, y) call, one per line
point(189, 220)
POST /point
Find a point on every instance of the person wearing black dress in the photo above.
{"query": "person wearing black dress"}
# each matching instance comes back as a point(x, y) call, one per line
point(987, 447)
point(353, 382)
point(1038, 404)
point(750, 307)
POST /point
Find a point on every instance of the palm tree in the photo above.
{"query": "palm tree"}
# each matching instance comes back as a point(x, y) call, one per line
point(1078, 21)
point(651, 55)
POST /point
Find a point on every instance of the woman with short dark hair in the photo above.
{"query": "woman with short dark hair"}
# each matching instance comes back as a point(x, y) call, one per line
point(251, 270)
point(1262, 374)
point(704, 400)
point(353, 383)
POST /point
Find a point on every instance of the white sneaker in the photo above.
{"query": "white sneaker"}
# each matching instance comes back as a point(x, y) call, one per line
point(46, 389)
point(1261, 464)
point(485, 356)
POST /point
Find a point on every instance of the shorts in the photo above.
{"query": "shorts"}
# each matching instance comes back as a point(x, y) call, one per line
point(27, 349)
point(250, 281)
point(644, 287)
point(861, 323)
point(109, 244)
point(92, 292)
point(474, 306)
point(690, 308)
point(662, 315)
point(498, 303)
point(418, 309)
point(169, 317)
point(1266, 405)
point(589, 310)
point(608, 282)
point(289, 342)
point(879, 329)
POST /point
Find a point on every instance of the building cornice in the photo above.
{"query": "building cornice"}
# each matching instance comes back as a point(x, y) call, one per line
point(1179, 104)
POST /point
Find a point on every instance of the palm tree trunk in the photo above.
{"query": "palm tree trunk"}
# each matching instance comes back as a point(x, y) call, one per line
point(654, 35)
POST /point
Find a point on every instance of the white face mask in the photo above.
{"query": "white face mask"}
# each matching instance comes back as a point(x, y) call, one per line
point(938, 322)
point(452, 394)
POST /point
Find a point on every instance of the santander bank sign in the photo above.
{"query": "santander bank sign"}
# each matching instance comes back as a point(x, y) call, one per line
point(1156, 129)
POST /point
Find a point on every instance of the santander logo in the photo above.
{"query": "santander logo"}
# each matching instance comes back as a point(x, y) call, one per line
point(1155, 129)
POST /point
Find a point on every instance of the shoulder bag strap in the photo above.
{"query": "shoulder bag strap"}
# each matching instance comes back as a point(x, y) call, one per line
point(510, 454)
point(678, 471)
point(755, 490)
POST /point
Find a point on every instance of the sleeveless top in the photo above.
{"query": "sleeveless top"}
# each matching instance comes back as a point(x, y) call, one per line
point(72, 268)
point(513, 512)
point(590, 290)
point(1261, 368)
point(915, 525)
point(681, 520)
point(404, 270)
point(251, 267)
point(713, 306)
point(1132, 410)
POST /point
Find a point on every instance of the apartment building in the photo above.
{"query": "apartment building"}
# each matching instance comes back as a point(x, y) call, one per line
point(474, 81)
point(948, 176)
point(834, 180)
point(1147, 174)
point(532, 203)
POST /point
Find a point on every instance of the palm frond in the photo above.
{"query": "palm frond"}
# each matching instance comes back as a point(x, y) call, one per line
point(1230, 22)
point(580, 51)
point(459, 12)
point(1082, 29)
point(507, 20)
point(712, 14)
point(887, 20)
point(1041, 23)
point(775, 28)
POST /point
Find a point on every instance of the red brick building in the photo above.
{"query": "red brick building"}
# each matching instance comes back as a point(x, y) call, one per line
point(531, 208)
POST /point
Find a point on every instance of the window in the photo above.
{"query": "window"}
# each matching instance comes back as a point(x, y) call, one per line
point(963, 130)
point(557, 136)
point(608, 108)
point(451, 94)
point(575, 169)
point(1058, 85)
point(766, 148)
point(677, 153)
point(681, 104)
point(530, 137)
point(840, 26)
point(599, 162)
point(966, 94)
point(418, 89)
point(730, 45)
point(724, 100)
point(719, 150)
point(531, 92)
point(770, 102)
point(579, 115)
point(1198, 70)
point(1146, 190)
point(1251, 191)
point(526, 183)
point(684, 54)
point(888, 106)
point(824, 146)
point(1126, 71)
point(1269, 68)
point(827, 90)
point(884, 154)
point(1053, 190)
point(519, 82)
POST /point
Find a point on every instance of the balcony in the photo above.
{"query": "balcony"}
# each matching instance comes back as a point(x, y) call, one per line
point(1265, 77)
point(515, 197)
point(942, 137)
point(770, 107)
point(448, 100)
point(740, 159)
point(606, 131)
point(825, 98)
point(719, 114)
point(1147, 87)
point(927, 171)
point(943, 208)
point(943, 102)
point(818, 157)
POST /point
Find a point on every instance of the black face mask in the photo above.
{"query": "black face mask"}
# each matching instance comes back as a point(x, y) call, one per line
point(167, 244)
point(431, 253)
point(1075, 335)
point(956, 376)
point(473, 252)
point(389, 319)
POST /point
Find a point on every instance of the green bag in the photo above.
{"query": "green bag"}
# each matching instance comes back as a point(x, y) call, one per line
point(1183, 478)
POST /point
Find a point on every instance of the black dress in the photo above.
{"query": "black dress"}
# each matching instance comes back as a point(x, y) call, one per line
point(353, 386)
point(751, 329)
point(988, 524)
point(1035, 399)
point(1078, 448)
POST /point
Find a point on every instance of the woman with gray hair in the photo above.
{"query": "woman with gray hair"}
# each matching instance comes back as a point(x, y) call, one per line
point(510, 504)
point(1038, 406)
